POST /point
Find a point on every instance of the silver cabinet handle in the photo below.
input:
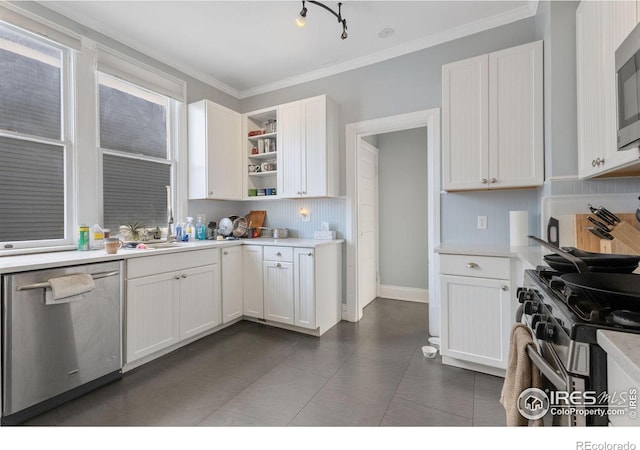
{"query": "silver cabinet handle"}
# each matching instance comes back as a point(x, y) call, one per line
point(183, 276)
point(504, 287)
point(483, 181)
point(472, 265)
point(177, 277)
point(225, 252)
point(304, 192)
point(492, 180)
point(278, 254)
point(593, 163)
point(278, 265)
point(309, 254)
point(210, 192)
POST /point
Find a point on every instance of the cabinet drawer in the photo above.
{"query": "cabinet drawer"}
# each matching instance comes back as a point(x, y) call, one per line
point(476, 266)
point(152, 265)
point(284, 254)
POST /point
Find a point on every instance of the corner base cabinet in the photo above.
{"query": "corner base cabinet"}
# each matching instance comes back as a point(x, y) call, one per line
point(302, 287)
point(476, 312)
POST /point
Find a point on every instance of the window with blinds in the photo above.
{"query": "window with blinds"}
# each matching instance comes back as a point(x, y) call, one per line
point(33, 152)
point(137, 155)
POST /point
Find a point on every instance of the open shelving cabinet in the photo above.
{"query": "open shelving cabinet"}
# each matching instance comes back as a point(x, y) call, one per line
point(264, 179)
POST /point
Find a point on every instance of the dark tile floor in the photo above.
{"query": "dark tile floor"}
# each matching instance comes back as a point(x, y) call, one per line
point(370, 373)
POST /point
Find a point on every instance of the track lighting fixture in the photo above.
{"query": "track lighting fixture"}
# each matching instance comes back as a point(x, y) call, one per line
point(301, 20)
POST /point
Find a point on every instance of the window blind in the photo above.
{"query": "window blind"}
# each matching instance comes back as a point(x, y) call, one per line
point(134, 190)
point(31, 191)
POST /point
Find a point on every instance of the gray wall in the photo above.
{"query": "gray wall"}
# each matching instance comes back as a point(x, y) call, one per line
point(402, 208)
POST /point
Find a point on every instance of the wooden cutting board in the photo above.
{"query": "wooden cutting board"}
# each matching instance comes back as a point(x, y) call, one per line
point(255, 219)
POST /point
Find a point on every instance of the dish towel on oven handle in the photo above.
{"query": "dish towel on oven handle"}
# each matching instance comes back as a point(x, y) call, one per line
point(521, 374)
point(70, 285)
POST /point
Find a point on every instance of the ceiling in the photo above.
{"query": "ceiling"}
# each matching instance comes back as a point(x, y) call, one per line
point(249, 47)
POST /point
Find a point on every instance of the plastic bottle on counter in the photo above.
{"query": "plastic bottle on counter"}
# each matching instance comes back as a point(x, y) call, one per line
point(201, 229)
point(97, 237)
point(179, 231)
point(189, 230)
point(83, 238)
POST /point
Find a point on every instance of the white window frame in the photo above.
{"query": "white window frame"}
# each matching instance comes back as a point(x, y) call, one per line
point(67, 140)
point(172, 108)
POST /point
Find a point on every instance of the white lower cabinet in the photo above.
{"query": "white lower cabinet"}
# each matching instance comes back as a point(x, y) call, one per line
point(181, 301)
point(304, 288)
point(252, 284)
point(278, 291)
point(199, 297)
point(231, 283)
point(476, 312)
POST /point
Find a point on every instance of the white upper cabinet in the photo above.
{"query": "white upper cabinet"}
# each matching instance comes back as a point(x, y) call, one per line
point(600, 29)
point(215, 152)
point(492, 120)
point(308, 148)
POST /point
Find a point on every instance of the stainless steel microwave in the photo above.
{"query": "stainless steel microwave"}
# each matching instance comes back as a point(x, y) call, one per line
point(628, 90)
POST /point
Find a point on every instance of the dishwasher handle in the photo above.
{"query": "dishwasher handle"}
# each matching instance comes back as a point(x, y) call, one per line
point(46, 284)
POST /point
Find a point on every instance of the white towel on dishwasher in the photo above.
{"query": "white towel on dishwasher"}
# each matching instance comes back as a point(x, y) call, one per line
point(70, 285)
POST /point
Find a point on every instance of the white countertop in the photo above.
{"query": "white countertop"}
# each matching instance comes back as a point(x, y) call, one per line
point(531, 256)
point(37, 261)
point(624, 348)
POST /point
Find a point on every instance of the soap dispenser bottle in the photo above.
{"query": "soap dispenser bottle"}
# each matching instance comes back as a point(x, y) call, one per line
point(201, 229)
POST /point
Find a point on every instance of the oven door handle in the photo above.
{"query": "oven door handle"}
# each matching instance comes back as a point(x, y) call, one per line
point(546, 369)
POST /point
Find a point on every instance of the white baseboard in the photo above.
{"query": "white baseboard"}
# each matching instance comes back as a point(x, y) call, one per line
point(404, 293)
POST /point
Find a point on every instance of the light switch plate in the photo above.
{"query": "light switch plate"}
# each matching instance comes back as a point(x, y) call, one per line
point(482, 222)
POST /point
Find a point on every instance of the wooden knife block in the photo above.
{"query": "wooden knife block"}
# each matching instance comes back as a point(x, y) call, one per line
point(626, 242)
point(627, 236)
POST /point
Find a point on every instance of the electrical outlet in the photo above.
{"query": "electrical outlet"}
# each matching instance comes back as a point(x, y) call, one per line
point(482, 222)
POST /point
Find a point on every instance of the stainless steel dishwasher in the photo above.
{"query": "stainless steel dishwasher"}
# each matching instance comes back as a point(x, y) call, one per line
point(56, 350)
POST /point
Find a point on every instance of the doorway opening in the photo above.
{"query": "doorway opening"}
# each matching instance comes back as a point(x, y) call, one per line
point(359, 230)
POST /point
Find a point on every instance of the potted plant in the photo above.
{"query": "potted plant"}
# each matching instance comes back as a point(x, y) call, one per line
point(133, 231)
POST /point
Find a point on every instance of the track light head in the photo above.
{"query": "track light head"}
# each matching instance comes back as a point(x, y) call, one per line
point(301, 20)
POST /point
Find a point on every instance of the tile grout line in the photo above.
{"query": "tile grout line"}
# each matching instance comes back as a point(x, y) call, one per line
point(398, 386)
point(328, 379)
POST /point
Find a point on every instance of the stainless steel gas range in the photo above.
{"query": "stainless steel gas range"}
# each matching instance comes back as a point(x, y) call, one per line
point(564, 323)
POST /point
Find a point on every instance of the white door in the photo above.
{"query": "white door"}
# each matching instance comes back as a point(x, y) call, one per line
point(153, 314)
point(290, 147)
point(476, 319)
point(200, 299)
point(516, 154)
point(231, 283)
point(224, 154)
point(465, 124)
point(304, 288)
point(314, 163)
point(367, 188)
point(278, 291)
point(252, 286)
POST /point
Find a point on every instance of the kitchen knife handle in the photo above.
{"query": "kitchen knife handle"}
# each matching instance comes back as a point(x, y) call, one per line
point(598, 224)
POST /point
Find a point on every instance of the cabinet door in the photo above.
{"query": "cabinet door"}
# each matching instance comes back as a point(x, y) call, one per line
point(215, 152)
point(252, 286)
point(465, 128)
point(304, 288)
point(200, 302)
point(516, 149)
point(290, 142)
point(476, 319)
point(278, 291)
point(600, 28)
point(152, 314)
point(314, 158)
point(231, 283)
